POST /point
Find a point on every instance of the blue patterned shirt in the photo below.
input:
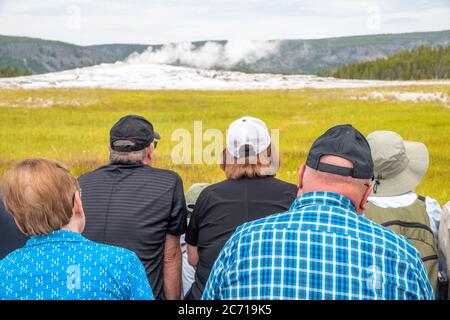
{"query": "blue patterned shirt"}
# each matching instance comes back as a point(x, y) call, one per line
point(319, 249)
point(65, 265)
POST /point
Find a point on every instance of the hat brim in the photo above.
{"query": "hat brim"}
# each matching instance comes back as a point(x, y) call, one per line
point(410, 177)
point(156, 136)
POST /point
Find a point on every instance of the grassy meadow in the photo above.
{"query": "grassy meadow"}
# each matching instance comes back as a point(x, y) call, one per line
point(72, 125)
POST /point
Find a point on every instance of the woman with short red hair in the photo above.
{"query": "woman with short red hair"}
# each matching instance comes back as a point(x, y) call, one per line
point(57, 262)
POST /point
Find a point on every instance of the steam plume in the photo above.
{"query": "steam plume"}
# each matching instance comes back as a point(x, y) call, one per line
point(211, 54)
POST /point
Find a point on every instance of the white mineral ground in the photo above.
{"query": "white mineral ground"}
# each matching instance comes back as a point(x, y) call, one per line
point(122, 75)
point(146, 76)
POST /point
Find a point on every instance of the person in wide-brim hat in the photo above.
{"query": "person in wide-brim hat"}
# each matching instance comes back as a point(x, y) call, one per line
point(399, 165)
point(188, 272)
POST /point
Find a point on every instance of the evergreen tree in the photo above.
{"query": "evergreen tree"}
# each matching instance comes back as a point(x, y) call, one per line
point(6, 72)
point(424, 62)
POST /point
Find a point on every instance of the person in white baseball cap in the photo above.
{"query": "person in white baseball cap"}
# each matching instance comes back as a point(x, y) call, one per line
point(250, 192)
point(247, 131)
point(249, 151)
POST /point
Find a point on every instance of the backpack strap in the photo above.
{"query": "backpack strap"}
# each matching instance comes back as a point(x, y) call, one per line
point(421, 198)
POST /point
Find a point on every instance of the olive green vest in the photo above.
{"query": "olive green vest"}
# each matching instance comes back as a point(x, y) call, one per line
point(413, 223)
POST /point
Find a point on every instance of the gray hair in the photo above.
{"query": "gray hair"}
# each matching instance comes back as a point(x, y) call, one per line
point(126, 157)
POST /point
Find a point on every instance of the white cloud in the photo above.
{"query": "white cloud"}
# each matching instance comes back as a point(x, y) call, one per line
point(162, 21)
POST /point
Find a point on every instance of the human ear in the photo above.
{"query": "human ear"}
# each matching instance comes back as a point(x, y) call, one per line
point(78, 212)
point(150, 150)
point(367, 192)
point(77, 208)
point(301, 174)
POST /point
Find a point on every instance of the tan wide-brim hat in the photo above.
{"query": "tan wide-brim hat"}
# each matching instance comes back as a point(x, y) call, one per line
point(399, 165)
point(192, 195)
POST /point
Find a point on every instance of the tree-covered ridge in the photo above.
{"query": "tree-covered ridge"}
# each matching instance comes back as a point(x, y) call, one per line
point(13, 72)
point(294, 56)
point(424, 62)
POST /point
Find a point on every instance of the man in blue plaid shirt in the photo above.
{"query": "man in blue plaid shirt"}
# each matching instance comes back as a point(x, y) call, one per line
point(323, 247)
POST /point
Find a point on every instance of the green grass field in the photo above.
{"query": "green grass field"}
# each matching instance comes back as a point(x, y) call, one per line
point(72, 125)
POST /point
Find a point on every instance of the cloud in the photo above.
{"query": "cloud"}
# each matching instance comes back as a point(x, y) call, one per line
point(163, 21)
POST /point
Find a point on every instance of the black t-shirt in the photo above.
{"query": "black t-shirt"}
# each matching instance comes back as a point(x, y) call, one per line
point(224, 206)
point(10, 236)
point(135, 206)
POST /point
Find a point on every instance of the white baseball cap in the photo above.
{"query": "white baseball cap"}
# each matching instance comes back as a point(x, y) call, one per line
point(247, 131)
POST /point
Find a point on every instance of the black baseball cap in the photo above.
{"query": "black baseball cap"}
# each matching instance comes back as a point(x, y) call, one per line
point(346, 142)
point(133, 128)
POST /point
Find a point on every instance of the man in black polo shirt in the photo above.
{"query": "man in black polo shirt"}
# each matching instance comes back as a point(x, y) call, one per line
point(130, 204)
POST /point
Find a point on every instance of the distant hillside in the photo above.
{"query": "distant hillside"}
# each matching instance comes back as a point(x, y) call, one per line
point(424, 62)
point(41, 56)
point(115, 52)
point(293, 56)
point(314, 56)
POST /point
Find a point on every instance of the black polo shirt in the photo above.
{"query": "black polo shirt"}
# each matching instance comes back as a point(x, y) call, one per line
point(134, 206)
point(224, 206)
point(10, 236)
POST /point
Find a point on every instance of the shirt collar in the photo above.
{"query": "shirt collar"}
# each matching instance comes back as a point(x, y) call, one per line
point(125, 165)
point(56, 236)
point(324, 199)
point(402, 200)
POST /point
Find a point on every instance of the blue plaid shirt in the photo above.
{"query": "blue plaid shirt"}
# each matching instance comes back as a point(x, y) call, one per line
point(319, 249)
point(65, 265)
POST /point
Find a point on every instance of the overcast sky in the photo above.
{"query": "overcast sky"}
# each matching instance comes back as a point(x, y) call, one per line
point(159, 21)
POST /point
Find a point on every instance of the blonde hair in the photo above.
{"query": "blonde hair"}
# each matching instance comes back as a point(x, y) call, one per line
point(39, 194)
point(263, 164)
